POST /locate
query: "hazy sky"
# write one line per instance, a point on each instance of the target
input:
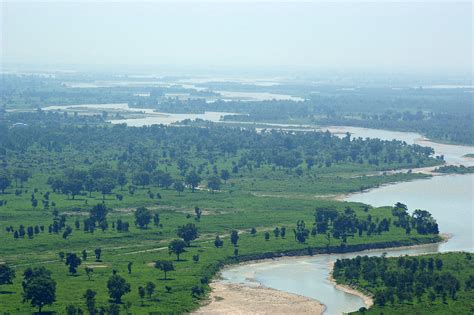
(372, 36)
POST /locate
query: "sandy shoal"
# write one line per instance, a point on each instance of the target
(237, 299)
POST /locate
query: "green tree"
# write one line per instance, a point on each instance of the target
(179, 187)
(142, 217)
(214, 183)
(193, 180)
(73, 261)
(22, 175)
(141, 293)
(234, 237)
(7, 274)
(150, 289)
(117, 287)
(188, 232)
(177, 247)
(165, 266)
(38, 287)
(5, 181)
(98, 213)
(89, 296)
(225, 175)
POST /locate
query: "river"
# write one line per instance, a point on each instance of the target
(447, 197)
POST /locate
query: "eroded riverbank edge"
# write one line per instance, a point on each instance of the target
(225, 297)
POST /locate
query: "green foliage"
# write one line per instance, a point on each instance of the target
(434, 284)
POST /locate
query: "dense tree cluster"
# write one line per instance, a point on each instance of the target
(402, 279)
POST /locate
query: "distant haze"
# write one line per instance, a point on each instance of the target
(416, 37)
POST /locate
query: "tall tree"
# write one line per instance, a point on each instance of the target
(188, 232)
(142, 217)
(117, 287)
(177, 247)
(38, 287)
(164, 266)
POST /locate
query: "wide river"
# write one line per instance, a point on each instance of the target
(449, 198)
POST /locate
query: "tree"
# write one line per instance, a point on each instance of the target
(141, 179)
(121, 180)
(193, 180)
(225, 175)
(214, 183)
(188, 232)
(196, 258)
(198, 213)
(150, 289)
(141, 293)
(89, 296)
(234, 237)
(117, 287)
(98, 253)
(253, 231)
(267, 236)
(142, 217)
(38, 287)
(7, 274)
(84, 255)
(22, 175)
(89, 272)
(5, 181)
(129, 267)
(218, 242)
(179, 187)
(164, 266)
(73, 261)
(105, 186)
(177, 247)
(98, 213)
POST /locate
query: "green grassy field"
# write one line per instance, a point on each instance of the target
(264, 193)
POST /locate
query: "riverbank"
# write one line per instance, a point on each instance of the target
(241, 298)
(368, 299)
(227, 298)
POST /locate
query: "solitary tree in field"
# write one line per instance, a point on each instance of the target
(218, 242)
(164, 266)
(234, 237)
(98, 253)
(89, 272)
(38, 287)
(73, 261)
(177, 247)
(117, 287)
(253, 231)
(129, 267)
